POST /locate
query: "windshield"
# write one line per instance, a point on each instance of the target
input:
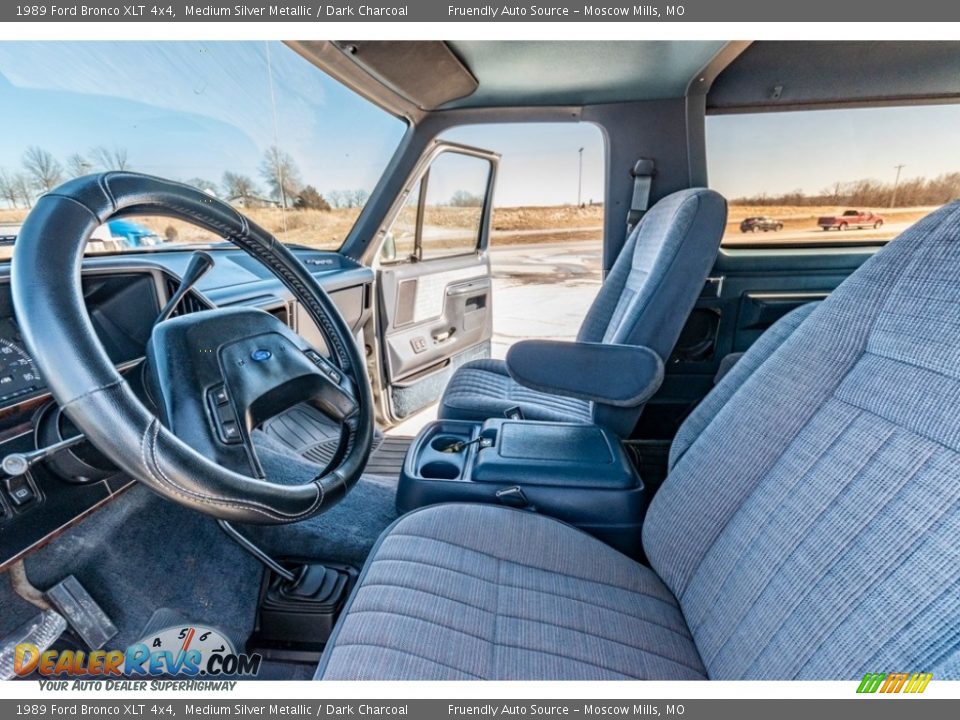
(251, 123)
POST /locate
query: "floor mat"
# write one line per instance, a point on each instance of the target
(306, 431)
(310, 434)
(141, 552)
(388, 458)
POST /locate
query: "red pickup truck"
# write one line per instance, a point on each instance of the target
(850, 219)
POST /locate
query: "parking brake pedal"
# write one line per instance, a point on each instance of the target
(82, 612)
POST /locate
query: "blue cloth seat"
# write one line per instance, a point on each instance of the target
(645, 300)
(809, 527)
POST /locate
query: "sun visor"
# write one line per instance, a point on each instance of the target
(425, 73)
(775, 75)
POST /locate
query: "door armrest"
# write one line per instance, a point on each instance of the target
(618, 375)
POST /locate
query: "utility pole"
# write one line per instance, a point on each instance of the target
(893, 197)
(580, 178)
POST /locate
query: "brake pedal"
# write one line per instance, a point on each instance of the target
(82, 612)
(42, 631)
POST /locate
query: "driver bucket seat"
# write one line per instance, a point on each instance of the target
(645, 300)
(810, 529)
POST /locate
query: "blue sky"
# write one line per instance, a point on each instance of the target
(194, 109)
(812, 150)
(190, 109)
(187, 110)
(540, 162)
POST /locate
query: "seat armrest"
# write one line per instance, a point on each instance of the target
(618, 375)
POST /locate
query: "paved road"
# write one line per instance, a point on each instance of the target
(888, 231)
(543, 290)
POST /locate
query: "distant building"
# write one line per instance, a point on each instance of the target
(253, 201)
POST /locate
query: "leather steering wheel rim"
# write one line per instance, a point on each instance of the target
(49, 305)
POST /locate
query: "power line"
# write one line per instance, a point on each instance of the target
(893, 196)
(580, 178)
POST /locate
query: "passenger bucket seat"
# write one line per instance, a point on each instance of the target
(809, 529)
(644, 301)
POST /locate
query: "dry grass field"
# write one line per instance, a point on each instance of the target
(799, 218)
(511, 225)
(321, 229)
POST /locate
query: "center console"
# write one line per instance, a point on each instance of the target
(575, 472)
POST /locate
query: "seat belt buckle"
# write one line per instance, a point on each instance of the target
(513, 413)
(514, 497)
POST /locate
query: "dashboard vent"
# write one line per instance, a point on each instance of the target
(282, 313)
(190, 304)
(277, 307)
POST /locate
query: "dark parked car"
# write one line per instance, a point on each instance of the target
(756, 224)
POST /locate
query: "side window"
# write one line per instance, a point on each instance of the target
(453, 205)
(832, 177)
(443, 214)
(401, 242)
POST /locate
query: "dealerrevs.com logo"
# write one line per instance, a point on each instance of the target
(191, 651)
(897, 682)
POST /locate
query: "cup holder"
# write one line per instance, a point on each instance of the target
(442, 442)
(440, 470)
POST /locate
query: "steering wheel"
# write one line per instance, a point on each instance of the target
(215, 374)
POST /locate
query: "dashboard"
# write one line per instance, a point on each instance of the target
(124, 294)
(19, 374)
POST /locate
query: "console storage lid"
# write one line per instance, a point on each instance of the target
(557, 454)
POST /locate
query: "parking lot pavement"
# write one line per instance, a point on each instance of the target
(540, 291)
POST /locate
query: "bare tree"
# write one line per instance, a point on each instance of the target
(866, 193)
(281, 174)
(349, 198)
(8, 188)
(21, 184)
(44, 170)
(115, 158)
(78, 166)
(336, 199)
(463, 198)
(359, 197)
(240, 186)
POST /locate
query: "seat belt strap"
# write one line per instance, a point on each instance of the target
(642, 172)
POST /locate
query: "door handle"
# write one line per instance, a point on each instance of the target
(442, 336)
(468, 288)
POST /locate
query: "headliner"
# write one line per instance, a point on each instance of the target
(414, 78)
(579, 73)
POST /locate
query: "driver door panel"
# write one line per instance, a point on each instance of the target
(434, 319)
(434, 286)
